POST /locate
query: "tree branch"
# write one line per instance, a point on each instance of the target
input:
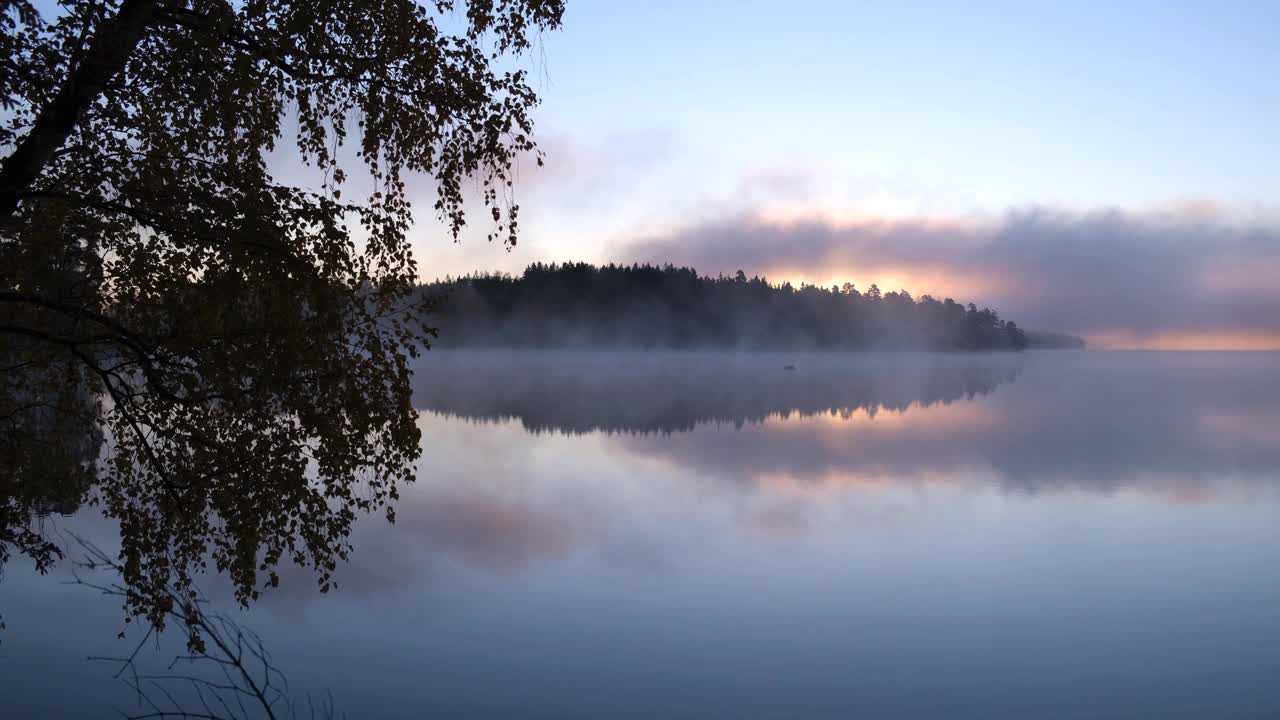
(106, 57)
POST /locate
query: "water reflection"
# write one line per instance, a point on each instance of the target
(696, 535)
(629, 456)
(1171, 423)
(666, 393)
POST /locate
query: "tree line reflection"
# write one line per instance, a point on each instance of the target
(532, 459)
(664, 393)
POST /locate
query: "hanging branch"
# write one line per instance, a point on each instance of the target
(227, 672)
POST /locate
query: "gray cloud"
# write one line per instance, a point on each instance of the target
(1100, 273)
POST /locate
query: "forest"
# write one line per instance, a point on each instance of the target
(649, 306)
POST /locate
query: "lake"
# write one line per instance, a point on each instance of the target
(594, 535)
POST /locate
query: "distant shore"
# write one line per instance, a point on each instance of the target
(580, 305)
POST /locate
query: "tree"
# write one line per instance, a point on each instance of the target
(242, 338)
(648, 306)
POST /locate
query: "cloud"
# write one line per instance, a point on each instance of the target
(1128, 276)
(583, 189)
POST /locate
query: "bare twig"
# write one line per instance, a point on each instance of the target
(245, 682)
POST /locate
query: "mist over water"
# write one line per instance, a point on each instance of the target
(665, 392)
(638, 535)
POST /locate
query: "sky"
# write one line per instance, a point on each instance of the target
(1107, 169)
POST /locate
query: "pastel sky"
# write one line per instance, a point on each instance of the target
(1105, 168)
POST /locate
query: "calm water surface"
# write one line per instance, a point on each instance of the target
(1050, 535)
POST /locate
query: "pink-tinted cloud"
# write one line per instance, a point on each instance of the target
(1133, 278)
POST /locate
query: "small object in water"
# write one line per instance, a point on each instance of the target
(789, 367)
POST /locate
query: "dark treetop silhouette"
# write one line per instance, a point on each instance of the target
(242, 360)
(578, 304)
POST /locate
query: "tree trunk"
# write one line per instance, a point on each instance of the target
(108, 52)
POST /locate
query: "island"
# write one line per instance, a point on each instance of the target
(581, 305)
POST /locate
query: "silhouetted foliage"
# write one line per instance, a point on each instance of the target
(578, 304)
(50, 443)
(1054, 341)
(244, 358)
